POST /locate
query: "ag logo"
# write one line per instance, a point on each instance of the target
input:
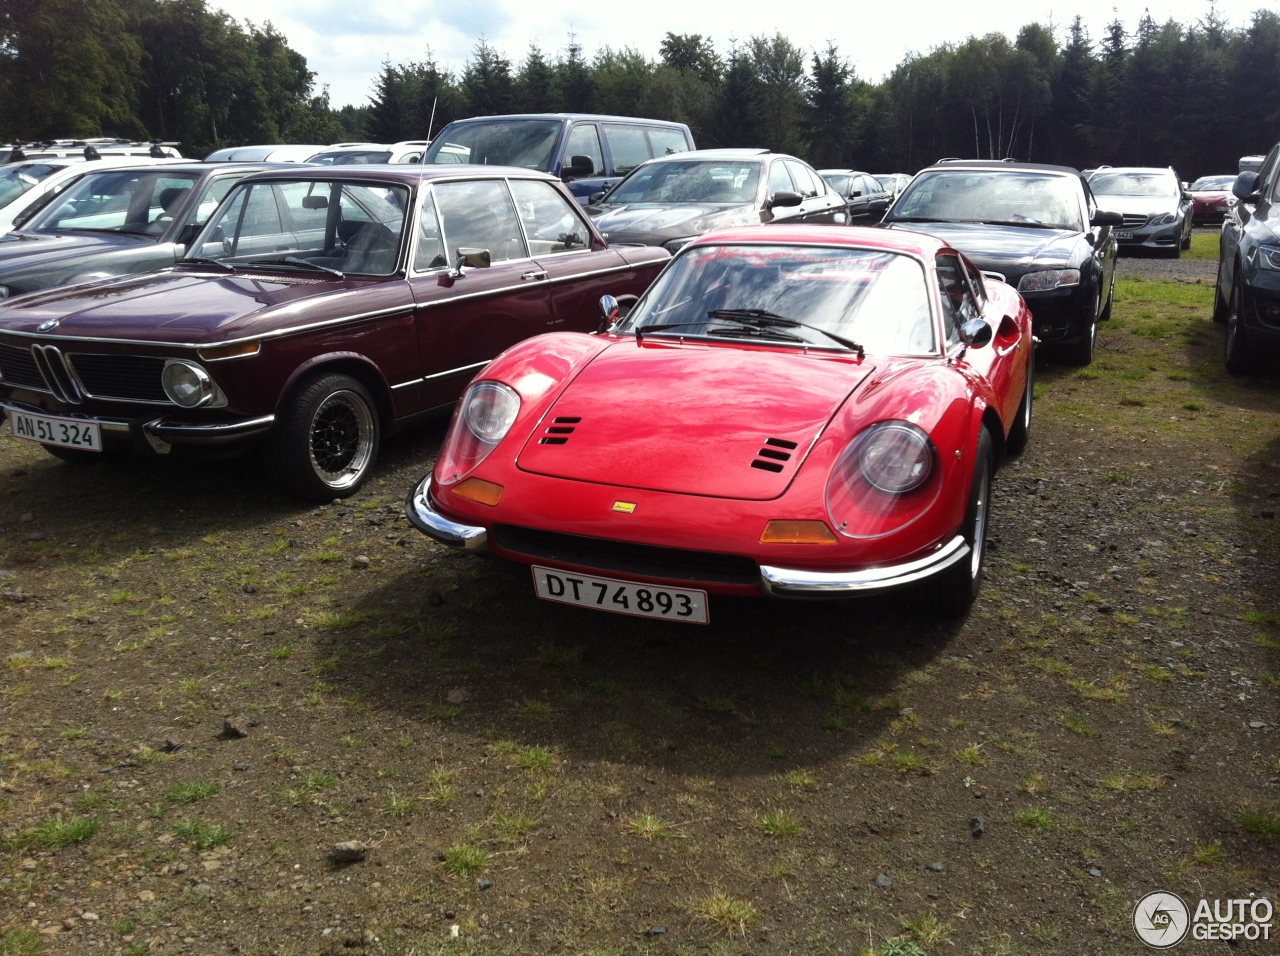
(1161, 920)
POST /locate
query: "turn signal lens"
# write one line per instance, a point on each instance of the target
(230, 351)
(797, 532)
(477, 489)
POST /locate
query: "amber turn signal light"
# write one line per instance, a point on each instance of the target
(797, 532)
(477, 489)
(230, 351)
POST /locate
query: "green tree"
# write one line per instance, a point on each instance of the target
(487, 84)
(779, 65)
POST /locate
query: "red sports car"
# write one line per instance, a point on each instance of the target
(1209, 198)
(802, 411)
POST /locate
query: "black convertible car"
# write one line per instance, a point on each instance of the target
(1037, 226)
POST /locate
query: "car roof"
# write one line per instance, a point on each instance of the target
(843, 172)
(711, 155)
(195, 167)
(998, 164)
(598, 117)
(407, 173)
(862, 237)
(1136, 169)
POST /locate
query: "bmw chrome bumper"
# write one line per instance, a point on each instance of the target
(422, 513)
(781, 582)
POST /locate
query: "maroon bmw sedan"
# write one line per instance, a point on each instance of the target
(318, 310)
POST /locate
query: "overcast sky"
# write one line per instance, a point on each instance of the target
(345, 42)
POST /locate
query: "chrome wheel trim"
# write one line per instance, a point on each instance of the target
(978, 546)
(340, 439)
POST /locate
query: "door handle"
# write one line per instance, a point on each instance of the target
(533, 275)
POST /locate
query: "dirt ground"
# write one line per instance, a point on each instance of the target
(206, 687)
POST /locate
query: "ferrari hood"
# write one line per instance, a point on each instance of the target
(656, 223)
(1009, 250)
(722, 421)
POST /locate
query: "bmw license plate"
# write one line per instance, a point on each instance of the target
(51, 430)
(621, 597)
(1124, 234)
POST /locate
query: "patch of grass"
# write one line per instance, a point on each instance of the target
(800, 778)
(201, 836)
(539, 711)
(280, 652)
(971, 755)
(73, 733)
(1260, 824)
(1076, 724)
(731, 914)
(399, 807)
(649, 827)
(1034, 818)
(927, 929)
(560, 657)
(1209, 854)
(341, 621)
(908, 762)
(779, 823)
(57, 833)
(834, 723)
(1034, 783)
(20, 942)
(1155, 673)
(191, 792)
(717, 705)
(465, 860)
(514, 826)
(1113, 692)
(1127, 782)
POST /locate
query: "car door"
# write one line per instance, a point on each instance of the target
(561, 247)
(780, 181)
(877, 198)
(466, 315)
(820, 203)
(1102, 242)
(584, 140)
(964, 298)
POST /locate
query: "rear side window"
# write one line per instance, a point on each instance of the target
(957, 302)
(480, 215)
(664, 141)
(779, 180)
(430, 254)
(804, 181)
(628, 147)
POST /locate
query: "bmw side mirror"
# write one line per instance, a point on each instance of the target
(1245, 188)
(472, 257)
(785, 197)
(1104, 218)
(976, 333)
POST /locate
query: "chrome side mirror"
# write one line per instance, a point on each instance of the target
(470, 256)
(976, 333)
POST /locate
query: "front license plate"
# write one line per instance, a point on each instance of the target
(621, 597)
(1124, 234)
(50, 430)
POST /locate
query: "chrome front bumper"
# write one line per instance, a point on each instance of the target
(422, 513)
(781, 582)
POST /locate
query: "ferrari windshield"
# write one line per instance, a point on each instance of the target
(690, 181)
(317, 225)
(791, 295)
(527, 143)
(997, 196)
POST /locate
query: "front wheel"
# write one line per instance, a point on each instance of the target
(1236, 354)
(326, 440)
(957, 587)
(1111, 297)
(1020, 433)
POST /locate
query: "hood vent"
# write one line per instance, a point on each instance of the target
(559, 430)
(774, 454)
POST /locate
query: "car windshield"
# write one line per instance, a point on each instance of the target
(527, 143)
(308, 224)
(351, 157)
(1213, 183)
(1158, 182)
(877, 299)
(1013, 197)
(127, 201)
(681, 181)
(891, 181)
(20, 177)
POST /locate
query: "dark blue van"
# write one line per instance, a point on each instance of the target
(589, 152)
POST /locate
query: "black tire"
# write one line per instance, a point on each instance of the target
(1175, 252)
(1020, 432)
(1186, 243)
(1081, 353)
(1236, 354)
(1111, 297)
(1221, 307)
(326, 440)
(958, 586)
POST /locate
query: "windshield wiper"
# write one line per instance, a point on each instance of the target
(773, 334)
(917, 219)
(765, 317)
(643, 330)
(206, 261)
(303, 263)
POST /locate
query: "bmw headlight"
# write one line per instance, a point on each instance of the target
(1047, 279)
(4, 292)
(1269, 257)
(187, 384)
(1165, 220)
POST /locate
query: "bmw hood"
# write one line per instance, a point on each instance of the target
(21, 249)
(655, 223)
(703, 415)
(1010, 250)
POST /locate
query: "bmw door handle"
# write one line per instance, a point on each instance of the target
(534, 275)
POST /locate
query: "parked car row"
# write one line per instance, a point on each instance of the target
(1247, 293)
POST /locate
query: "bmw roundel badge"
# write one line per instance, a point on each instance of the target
(47, 325)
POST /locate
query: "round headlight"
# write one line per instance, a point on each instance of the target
(187, 384)
(4, 292)
(489, 410)
(894, 457)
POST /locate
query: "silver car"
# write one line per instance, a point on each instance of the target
(1155, 206)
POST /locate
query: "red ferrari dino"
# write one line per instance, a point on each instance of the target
(801, 412)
